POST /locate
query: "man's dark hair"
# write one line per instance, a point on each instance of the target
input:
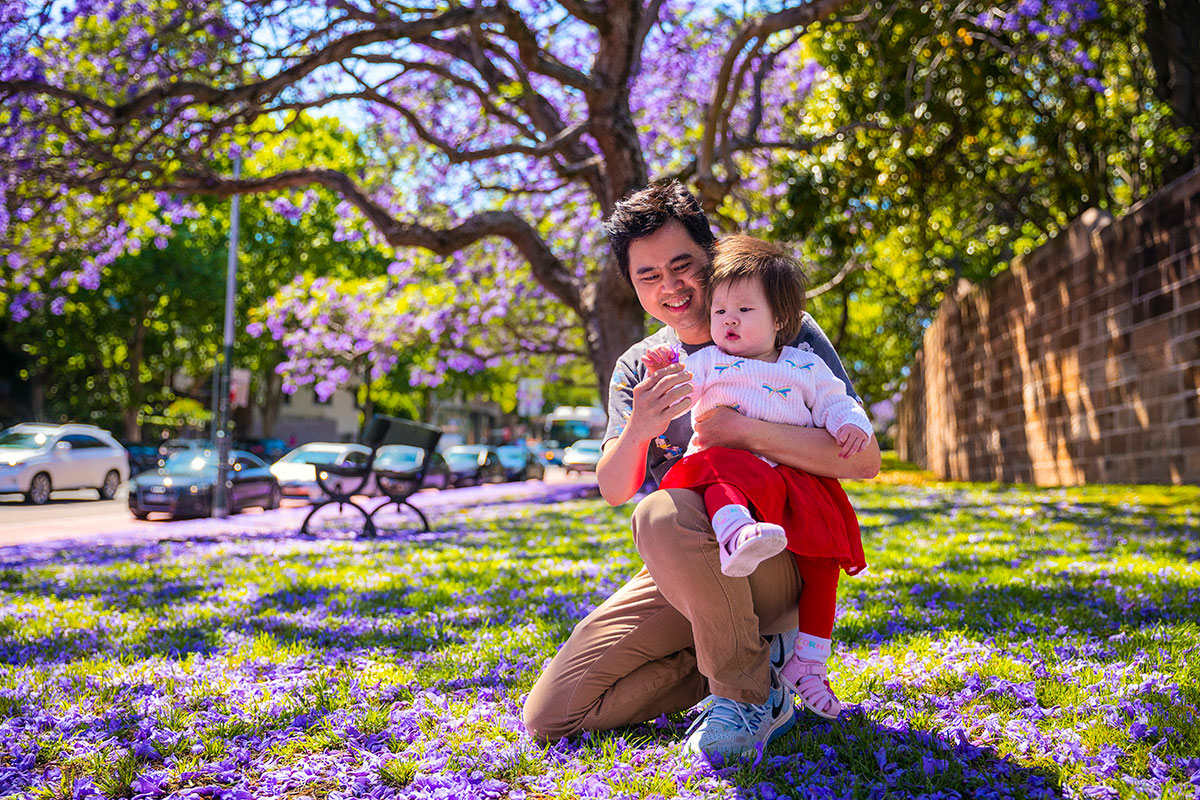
(645, 211)
(740, 258)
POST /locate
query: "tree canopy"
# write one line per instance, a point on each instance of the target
(495, 135)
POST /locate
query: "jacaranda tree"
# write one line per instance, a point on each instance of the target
(500, 132)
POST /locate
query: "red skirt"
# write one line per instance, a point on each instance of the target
(813, 511)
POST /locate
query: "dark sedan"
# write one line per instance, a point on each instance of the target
(403, 458)
(473, 465)
(520, 463)
(184, 485)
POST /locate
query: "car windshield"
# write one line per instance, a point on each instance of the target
(188, 462)
(511, 454)
(400, 457)
(586, 447)
(312, 457)
(24, 440)
(463, 456)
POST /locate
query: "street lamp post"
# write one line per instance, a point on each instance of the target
(220, 495)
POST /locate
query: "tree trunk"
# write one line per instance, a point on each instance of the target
(272, 398)
(1173, 39)
(615, 321)
(428, 403)
(37, 393)
(368, 401)
(136, 389)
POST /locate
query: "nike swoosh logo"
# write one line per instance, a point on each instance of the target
(777, 706)
(778, 661)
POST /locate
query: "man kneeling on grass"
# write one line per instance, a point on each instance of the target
(681, 630)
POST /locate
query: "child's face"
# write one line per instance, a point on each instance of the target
(742, 321)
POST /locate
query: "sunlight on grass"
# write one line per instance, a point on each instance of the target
(1005, 641)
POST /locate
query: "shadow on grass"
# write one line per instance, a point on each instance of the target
(920, 604)
(853, 756)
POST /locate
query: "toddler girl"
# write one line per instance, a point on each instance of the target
(759, 508)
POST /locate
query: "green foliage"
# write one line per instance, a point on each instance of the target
(955, 150)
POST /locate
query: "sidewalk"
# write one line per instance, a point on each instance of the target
(436, 505)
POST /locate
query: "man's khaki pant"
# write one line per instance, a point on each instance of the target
(677, 631)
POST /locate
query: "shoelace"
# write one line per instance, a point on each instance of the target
(731, 712)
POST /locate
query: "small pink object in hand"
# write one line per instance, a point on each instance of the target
(659, 357)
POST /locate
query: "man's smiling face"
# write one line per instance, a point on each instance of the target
(667, 268)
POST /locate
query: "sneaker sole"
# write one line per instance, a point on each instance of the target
(753, 553)
(785, 725)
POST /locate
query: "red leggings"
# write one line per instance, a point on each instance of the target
(818, 598)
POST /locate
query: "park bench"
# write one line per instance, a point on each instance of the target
(396, 485)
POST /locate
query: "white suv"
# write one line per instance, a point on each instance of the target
(37, 459)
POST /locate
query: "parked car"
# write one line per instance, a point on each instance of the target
(172, 446)
(37, 459)
(405, 458)
(552, 452)
(473, 465)
(142, 456)
(297, 471)
(520, 463)
(582, 456)
(449, 440)
(184, 486)
(268, 450)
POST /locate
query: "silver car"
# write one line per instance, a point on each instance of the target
(297, 471)
(37, 459)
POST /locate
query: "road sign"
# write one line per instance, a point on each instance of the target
(239, 387)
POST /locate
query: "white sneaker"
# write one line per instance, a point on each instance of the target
(731, 729)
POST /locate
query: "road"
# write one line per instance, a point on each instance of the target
(67, 514)
(80, 513)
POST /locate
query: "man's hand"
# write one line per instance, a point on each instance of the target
(721, 427)
(662, 396)
(851, 439)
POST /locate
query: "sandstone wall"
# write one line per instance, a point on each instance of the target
(1079, 364)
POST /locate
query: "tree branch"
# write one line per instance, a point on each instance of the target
(545, 265)
(388, 31)
(537, 59)
(846, 271)
(725, 93)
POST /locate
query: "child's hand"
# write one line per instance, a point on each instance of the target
(659, 357)
(852, 439)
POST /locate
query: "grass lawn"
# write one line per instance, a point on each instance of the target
(1006, 642)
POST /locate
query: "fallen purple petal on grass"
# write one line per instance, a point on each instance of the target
(1004, 643)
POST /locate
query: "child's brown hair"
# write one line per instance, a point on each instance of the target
(738, 258)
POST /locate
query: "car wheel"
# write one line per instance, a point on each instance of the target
(39, 489)
(112, 482)
(140, 514)
(273, 500)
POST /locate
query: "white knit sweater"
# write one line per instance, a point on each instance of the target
(798, 389)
